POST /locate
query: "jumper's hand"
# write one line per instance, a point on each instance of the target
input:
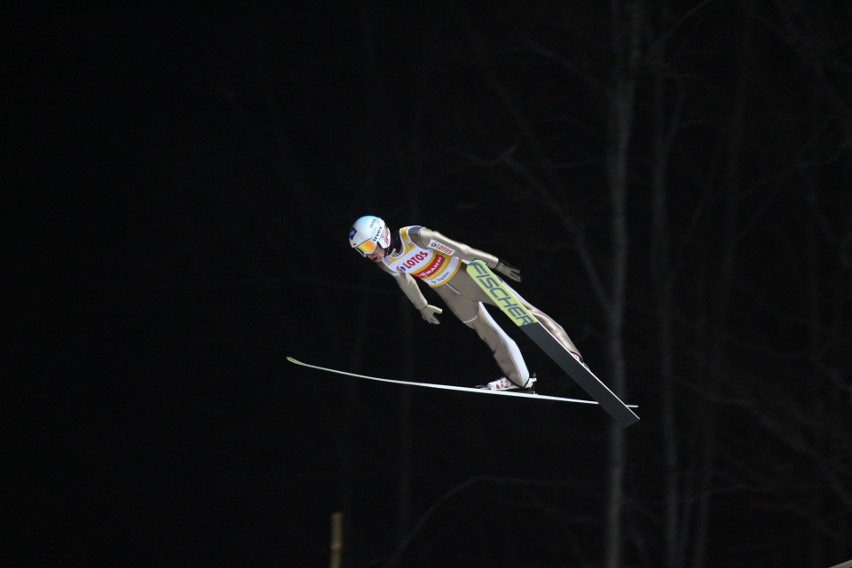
(508, 270)
(429, 312)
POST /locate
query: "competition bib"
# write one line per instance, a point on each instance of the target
(429, 265)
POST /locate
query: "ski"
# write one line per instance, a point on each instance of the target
(526, 395)
(506, 299)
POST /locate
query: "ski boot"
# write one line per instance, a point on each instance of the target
(505, 384)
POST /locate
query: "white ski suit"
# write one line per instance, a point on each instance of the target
(427, 255)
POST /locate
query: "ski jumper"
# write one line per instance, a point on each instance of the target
(438, 261)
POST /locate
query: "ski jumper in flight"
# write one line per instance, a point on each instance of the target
(416, 253)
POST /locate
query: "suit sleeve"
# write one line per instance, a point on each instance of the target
(409, 287)
(429, 239)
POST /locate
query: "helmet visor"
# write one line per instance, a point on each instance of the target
(366, 247)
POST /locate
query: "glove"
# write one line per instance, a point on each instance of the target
(429, 312)
(508, 270)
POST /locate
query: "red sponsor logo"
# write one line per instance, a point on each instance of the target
(429, 270)
(412, 262)
(441, 248)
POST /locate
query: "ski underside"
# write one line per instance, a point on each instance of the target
(526, 395)
(507, 300)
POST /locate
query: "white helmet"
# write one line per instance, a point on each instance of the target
(367, 232)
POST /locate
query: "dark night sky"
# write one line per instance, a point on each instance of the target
(183, 180)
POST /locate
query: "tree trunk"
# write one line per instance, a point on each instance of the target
(626, 23)
(716, 342)
(660, 265)
(665, 117)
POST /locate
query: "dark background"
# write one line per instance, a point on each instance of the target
(180, 186)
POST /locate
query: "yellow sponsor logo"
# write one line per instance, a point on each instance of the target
(500, 293)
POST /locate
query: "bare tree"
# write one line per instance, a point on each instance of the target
(626, 26)
(666, 116)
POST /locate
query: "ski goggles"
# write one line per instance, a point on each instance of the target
(366, 247)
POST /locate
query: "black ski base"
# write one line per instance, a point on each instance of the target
(581, 375)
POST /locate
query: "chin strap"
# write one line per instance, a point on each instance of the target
(395, 243)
